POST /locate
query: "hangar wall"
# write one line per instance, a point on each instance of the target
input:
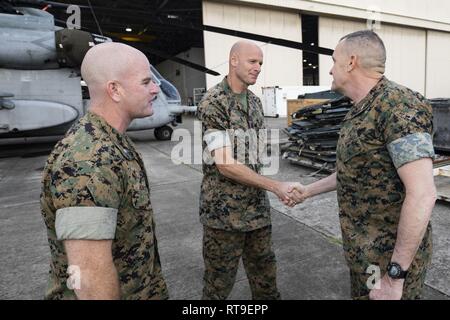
(431, 15)
(438, 65)
(185, 79)
(282, 66)
(406, 50)
(433, 11)
(416, 34)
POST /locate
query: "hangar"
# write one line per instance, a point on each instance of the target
(173, 34)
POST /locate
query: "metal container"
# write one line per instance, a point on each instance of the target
(441, 115)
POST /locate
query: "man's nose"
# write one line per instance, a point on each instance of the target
(154, 88)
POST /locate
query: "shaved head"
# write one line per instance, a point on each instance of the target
(243, 46)
(246, 59)
(108, 62)
(368, 47)
(121, 84)
(359, 62)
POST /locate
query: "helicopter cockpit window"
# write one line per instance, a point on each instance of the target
(166, 87)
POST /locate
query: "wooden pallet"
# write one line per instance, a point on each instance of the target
(297, 104)
(442, 182)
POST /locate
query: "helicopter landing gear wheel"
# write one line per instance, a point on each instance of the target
(163, 133)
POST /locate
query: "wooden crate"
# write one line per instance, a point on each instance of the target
(297, 104)
(442, 182)
(442, 187)
(442, 171)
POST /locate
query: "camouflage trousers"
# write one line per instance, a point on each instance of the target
(412, 289)
(414, 281)
(222, 251)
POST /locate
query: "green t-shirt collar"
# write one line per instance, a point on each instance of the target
(241, 97)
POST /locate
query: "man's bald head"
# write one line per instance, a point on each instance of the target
(368, 47)
(246, 59)
(243, 46)
(108, 62)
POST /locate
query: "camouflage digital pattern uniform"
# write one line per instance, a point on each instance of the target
(96, 166)
(236, 217)
(391, 126)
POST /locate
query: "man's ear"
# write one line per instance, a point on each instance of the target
(113, 89)
(234, 60)
(352, 63)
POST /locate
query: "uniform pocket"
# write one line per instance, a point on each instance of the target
(349, 148)
(141, 198)
(140, 195)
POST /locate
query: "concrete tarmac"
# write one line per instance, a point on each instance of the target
(306, 239)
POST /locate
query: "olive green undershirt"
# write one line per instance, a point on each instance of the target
(241, 97)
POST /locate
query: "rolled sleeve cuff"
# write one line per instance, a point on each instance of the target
(86, 223)
(217, 140)
(411, 148)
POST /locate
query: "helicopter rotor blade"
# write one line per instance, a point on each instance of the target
(271, 40)
(157, 53)
(181, 61)
(241, 34)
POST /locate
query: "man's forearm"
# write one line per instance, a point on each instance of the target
(414, 219)
(100, 283)
(241, 174)
(322, 186)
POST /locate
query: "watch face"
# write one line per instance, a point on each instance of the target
(394, 271)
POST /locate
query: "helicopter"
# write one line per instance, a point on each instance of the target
(41, 90)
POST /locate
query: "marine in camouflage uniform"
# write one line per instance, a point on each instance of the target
(390, 127)
(95, 166)
(236, 217)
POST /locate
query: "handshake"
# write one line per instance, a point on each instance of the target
(291, 193)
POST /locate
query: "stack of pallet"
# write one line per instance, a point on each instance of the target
(314, 133)
(441, 112)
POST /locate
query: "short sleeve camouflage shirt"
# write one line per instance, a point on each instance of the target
(96, 166)
(390, 127)
(225, 204)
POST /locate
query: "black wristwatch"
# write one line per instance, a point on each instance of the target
(395, 271)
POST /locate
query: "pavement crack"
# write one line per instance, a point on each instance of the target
(325, 235)
(175, 183)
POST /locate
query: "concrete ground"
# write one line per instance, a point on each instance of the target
(306, 238)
